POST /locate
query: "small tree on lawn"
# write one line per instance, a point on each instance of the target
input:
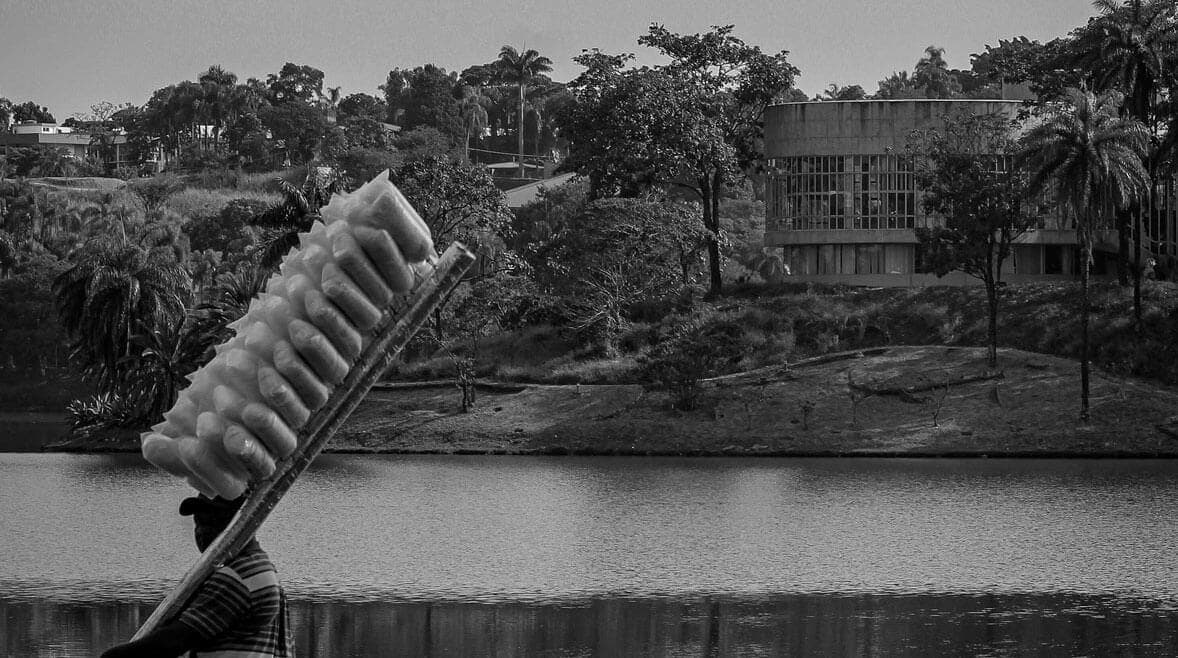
(966, 170)
(457, 201)
(617, 252)
(1093, 158)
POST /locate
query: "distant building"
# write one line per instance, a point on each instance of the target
(76, 144)
(842, 202)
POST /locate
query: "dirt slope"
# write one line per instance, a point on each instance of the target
(897, 401)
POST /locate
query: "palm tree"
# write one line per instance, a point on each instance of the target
(1127, 48)
(932, 74)
(1131, 47)
(295, 214)
(159, 360)
(474, 116)
(1092, 158)
(115, 289)
(521, 69)
(218, 101)
(330, 103)
(8, 259)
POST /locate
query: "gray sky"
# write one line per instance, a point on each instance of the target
(69, 54)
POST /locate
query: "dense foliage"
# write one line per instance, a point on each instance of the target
(601, 277)
(695, 123)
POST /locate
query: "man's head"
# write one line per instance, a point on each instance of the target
(209, 516)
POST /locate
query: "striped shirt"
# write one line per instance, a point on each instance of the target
(240, 611)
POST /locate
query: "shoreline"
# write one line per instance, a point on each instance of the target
(734, 454)
(893, 402)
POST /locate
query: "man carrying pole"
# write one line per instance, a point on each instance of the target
(239, 612)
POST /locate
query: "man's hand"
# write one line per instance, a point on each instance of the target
(169, 640)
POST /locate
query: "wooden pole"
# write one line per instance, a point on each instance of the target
(391, 336)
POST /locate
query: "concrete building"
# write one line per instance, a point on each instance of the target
(842, 202)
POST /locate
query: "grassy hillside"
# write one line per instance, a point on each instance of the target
(790, 322)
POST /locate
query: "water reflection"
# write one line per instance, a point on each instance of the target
(27, 431)
(794, 625)
(596, 556)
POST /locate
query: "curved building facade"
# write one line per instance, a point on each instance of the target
(842, 202)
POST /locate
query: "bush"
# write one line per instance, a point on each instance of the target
(101, 411)
(360, 165)
(693, 352)
(229, 230)
(620, 370)
(125, 173)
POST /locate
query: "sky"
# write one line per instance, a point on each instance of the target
(69, 54)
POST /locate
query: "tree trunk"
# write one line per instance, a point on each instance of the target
(992, 328)
(1123, 231)
(521, 130)
(991, 280)
(1138, 235)
(712, 224)
(1085, 257)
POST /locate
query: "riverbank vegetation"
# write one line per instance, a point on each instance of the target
(648, 269)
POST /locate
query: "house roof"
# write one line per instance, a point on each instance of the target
(525, 194)
(512, 165)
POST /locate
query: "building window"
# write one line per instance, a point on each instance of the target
(841, 192)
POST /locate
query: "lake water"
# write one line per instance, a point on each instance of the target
(571, 556)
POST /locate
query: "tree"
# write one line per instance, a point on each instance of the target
(1092, 159)
(898, 85)
(933, 76)
(359, 165)
(28, 321)
(1043, 67)
(966, 172)
(1131, 47)
(219, 103)
(101, 113)
(367, 106)
(536, 224)
(300, 127)
(38, 161)
(615, 253)
(695, 123)
(457, 201)
(836, 93)
(474, 118)
(246, 137)
(422, 142)
(159, 360)
(521, 69)
(426, 96)
(115, 289)
(294, 214)
(295, 83)
(30, 111)
(227, 231)
(1128, 48)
